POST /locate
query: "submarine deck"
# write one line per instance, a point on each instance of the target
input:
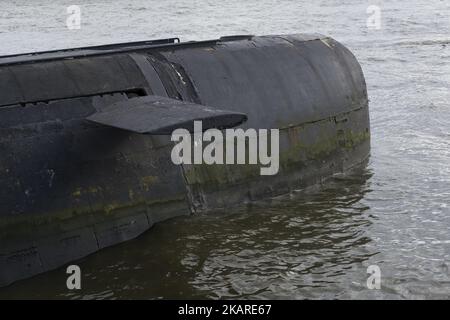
(79, 52)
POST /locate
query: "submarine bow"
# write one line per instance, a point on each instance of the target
(85, 146)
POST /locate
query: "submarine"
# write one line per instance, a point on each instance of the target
(85, 145)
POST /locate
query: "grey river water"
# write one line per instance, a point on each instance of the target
(317, 244)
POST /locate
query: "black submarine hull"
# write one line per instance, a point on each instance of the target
(69, 186)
